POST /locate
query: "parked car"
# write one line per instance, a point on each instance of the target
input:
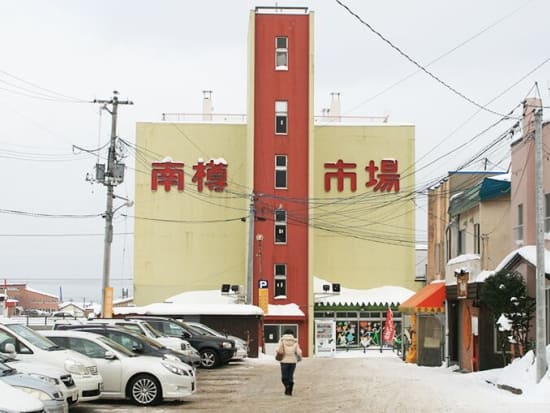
(16, 401)
(33, 347)
(63, 315)
(134, 342)
(144, 328)
(47, 393)
(214, 351)
(51, 374)
(145, 380)
(240, 344)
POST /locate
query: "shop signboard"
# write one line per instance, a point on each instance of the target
(325, 338)
(263, 295)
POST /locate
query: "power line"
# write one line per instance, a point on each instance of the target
(422, 68)
(468, 40)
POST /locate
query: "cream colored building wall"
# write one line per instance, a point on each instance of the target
(496, 235)
(189, 240)
(370, 236)
(467, 220)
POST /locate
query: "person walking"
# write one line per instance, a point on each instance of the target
(292, 353)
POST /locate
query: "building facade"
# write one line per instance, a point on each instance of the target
(267, 203)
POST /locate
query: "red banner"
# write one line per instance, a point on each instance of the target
(389, 327)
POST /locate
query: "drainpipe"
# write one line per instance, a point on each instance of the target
(446, 344)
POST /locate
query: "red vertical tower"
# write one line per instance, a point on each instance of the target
(281, 165)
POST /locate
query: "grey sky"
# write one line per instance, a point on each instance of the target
(163, 54)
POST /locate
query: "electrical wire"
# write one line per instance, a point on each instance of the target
(418, 65)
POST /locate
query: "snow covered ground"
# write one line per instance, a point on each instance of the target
(459, 392)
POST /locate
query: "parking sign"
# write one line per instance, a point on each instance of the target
(262, 284)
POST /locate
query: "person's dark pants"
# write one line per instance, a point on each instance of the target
(287, 376)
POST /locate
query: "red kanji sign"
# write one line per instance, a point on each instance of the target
(212, 174)
(383, 178)
(168, 174)
(340, 174)
(215, 173)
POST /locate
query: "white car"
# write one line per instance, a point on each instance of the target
(16, 401)
(53, 375)
(144, 328)
(145, 380)
(240, 344)
(33, 347)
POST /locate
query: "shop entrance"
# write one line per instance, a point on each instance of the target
(273, 333)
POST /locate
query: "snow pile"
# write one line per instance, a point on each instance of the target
(521, 374)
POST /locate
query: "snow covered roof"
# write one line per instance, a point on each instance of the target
(379, 295)
(529, 254)
(285, 310)
(463, 258)
(190, 309)
(32, 290)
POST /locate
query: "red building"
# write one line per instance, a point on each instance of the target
(282, 71)
(29, 299)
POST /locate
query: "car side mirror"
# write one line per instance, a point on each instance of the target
(9, 348)
(137, 349)
(109, 356)
(185, 334)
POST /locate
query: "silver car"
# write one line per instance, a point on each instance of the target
(48, 394)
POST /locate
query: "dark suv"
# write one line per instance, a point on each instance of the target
(215, 351)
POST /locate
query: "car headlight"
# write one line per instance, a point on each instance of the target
(176, 369)
(51, 380)
(75, 367)
(171, 357)
(227, 345)
(38, 394)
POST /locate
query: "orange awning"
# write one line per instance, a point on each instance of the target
(429, 299)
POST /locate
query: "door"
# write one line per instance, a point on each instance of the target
(110, 370)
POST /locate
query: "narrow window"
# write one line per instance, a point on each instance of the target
(281, 117)
(547, 213)
(281, 53)
(519, 228)
(280, 172)
(461, 246)
(280, 280)
(280, 226)
(477, 239)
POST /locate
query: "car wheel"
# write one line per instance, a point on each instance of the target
(209, 358)
(145, 390)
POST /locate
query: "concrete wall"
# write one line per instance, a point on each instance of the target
(189, 240)
(366, 238)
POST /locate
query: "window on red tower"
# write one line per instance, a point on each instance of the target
(280, 280)
(281, 53)
(280, 226)
(281, 117)
(280, 171)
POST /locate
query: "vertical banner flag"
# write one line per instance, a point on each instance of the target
(389, 327)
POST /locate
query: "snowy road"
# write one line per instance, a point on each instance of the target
(352, 382)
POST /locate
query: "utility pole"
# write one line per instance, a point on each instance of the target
(541, 362)
(250, 271)
(110, 177)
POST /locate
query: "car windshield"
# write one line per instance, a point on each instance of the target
(115, 346)
(154, 333)
(206, 330)
(6, 370)
(195, 331)
(34, 338)
(152, 342)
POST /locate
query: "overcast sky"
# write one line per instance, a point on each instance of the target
(162, 54)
